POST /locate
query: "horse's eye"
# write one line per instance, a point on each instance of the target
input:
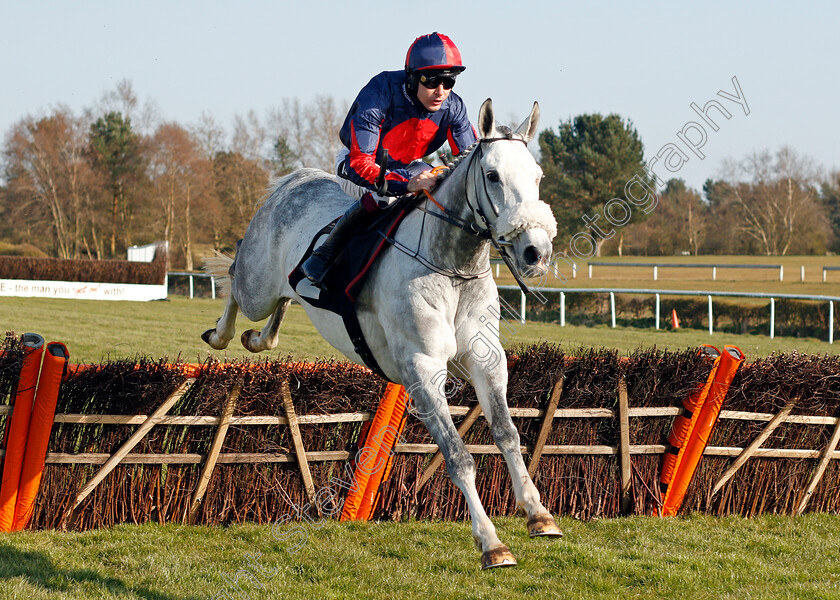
(493, 176)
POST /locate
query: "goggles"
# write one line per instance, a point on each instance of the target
(432, 81)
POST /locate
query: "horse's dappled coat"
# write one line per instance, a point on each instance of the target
(419, 322)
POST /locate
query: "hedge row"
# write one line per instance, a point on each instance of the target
(94, 271)
(582, 486)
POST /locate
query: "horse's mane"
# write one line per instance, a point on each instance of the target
(502, 132)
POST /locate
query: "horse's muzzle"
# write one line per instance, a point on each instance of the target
(532, 256)
(532, 250)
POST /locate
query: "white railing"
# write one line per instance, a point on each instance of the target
(657, 293)
(825, 269)
(192, 275)
(713, 266)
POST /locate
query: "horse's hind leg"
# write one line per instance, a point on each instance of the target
(266, 339)
(220, 336)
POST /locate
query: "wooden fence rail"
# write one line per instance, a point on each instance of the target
(238, 445)
(304, 456)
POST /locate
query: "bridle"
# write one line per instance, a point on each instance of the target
(479, 227)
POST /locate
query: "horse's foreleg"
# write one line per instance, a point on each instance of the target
(220, 336)
(491, 388)
(430, 406)
(266, 339)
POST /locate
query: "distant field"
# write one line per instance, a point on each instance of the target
(97, 331)
(102, 330)
(741, 280)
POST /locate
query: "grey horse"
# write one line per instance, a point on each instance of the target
(428, 307)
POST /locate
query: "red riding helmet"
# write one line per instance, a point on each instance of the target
(434, 51)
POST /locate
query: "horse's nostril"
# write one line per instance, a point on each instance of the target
(532, 255)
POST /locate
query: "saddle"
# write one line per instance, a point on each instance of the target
(347, 274)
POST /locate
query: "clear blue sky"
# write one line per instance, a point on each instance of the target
(645, 61)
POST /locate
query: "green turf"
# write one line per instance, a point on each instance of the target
(695, 557)
(731, 280)
(100, 330)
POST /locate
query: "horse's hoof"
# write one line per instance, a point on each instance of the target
(543, 526)
(497, 557)
(208, 336)
(246, 338)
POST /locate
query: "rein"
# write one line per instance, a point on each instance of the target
(482, 230)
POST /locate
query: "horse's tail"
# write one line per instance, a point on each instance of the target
(218, 265)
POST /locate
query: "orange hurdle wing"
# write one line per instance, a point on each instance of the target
(40, 427)
(18, 429)
(684, 422)
(370, 459)
(691, 454)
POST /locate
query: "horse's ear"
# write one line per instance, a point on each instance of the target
(486, 120)
(528, 128)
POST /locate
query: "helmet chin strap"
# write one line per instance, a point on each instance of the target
(412, 80)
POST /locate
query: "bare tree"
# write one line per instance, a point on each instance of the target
(324, 119)
(250, 138)
(830, 194)
(46, 170)
(308, 133)
(679, 224)
(689, 214)
(287, 126)
(239, 185)
(209, 135)
(124, 100)
(181, 176)
(776, 197)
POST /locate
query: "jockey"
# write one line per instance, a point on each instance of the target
(410, 113)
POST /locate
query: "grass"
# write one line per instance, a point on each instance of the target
(102, 330)
(641, 557)
(731, 280)
(699, 557)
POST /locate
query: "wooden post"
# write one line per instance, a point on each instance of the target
(213, 454)
(824, 460)
(624, 445)
(136, 437)
(747, 452)
(300, 451)
(545, 427)
(437, 459)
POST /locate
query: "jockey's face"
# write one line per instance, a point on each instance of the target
(433, 98)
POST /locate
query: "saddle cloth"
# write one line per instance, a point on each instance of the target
(346, 276)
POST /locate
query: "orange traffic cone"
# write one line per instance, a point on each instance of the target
(675, 321)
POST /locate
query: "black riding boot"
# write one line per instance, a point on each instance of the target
(316, 265)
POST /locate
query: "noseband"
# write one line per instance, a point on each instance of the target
(480, 225)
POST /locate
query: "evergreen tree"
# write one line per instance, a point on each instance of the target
(284, 158)
(115, 152)
(586, 164)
